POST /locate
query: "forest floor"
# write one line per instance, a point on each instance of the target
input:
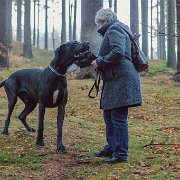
(153, 132)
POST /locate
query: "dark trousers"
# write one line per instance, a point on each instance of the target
(116, 121)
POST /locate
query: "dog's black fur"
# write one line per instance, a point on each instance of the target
(34, 86)
(86, 59)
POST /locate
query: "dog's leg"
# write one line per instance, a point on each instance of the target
(39, 139)
(60, 119)
(29, 107)
(12, 99)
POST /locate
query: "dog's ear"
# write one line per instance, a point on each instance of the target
(60, 49)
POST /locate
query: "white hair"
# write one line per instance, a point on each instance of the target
(105, 14)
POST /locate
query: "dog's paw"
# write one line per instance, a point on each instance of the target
(5, 133)
(39, 142)
(32, 130)
(61, 149)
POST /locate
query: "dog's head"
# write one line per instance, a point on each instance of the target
(70, 52)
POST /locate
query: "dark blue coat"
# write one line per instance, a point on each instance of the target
(122, 84)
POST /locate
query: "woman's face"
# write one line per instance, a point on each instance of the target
(102, 23)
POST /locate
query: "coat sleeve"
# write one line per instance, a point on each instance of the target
(117, 41)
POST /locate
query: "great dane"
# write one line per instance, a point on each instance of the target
(47, 87)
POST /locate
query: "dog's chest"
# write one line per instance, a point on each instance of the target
(55, 96)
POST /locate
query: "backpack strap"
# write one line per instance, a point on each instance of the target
(132, 37)
(128, 32)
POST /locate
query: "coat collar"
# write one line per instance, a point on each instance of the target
(103, 29)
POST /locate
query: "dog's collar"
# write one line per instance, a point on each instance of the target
(54, 71)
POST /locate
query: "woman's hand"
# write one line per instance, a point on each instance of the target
(94, 64)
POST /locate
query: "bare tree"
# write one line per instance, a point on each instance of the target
(63, 31)
(144, 11)
(19, 25)
(27, 47)
(171, 54)
(4, 61)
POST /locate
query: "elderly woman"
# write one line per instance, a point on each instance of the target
(121, 84)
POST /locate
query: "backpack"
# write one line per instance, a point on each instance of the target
(138, 58)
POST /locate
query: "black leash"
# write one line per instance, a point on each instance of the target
(95, 85)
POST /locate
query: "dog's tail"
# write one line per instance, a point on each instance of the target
(2, 83)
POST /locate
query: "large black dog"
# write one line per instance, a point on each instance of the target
(47, 87)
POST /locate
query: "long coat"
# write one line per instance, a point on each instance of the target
(121, 81)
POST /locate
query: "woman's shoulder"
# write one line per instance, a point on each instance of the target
(117, 27)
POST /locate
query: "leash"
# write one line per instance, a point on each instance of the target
(95, 85)
(54, 71)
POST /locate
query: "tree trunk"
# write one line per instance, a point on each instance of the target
(110, 3)
(70, 21)
(171, 57)
(89, 30)
(178, 32)
(46, 25)
(176, 77)
(34, 31)
(115, 6)
(144, 10)
(53, 38)
(158, 41)
(63, 31)
(38, 24)
(4, 61)
(27, 47)
(162, 43)
(88, 26)
(9, 22)
(19, 14)
(74, 24)
(151, 31)
(134, 17)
